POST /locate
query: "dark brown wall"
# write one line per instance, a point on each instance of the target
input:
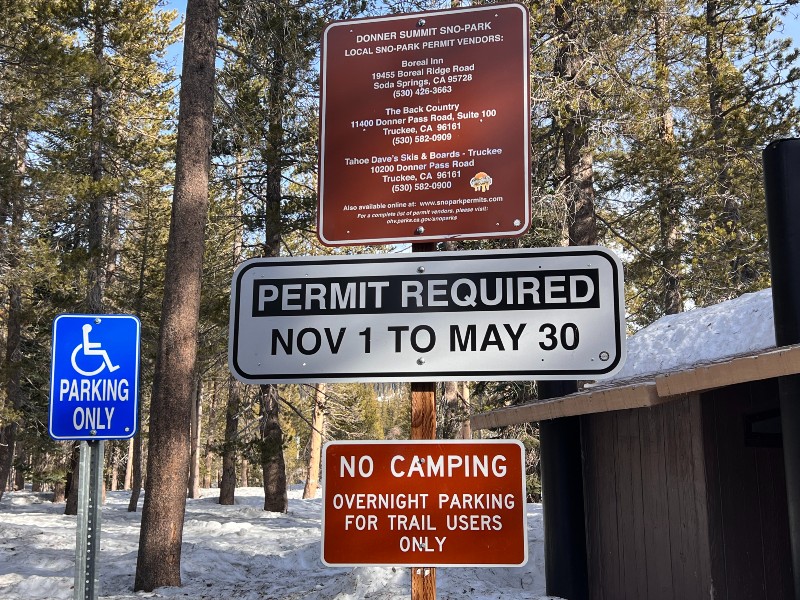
(749, 524)
(645, 504)
(682, 505)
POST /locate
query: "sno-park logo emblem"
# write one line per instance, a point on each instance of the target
(94, 377)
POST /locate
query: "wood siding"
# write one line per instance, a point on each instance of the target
(680, 507)
(749, 523)
(645, 494)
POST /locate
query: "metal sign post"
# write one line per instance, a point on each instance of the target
(87, 545)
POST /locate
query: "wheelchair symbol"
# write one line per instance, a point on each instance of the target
(91, 349)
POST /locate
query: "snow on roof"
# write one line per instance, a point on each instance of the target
(702, 335)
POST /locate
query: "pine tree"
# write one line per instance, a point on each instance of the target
(315, 451)
(158, 562)
(681, 178)
(275, 46)
(745, 84)
(100, 132)
(104, 131)
(644, 184)
(33, 55)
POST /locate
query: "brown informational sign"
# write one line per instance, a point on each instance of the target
(424, 127)
(432, 502)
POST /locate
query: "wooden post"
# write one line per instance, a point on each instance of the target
(423, 427)
(423, 410)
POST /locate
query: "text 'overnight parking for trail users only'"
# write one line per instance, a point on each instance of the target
(515, 314)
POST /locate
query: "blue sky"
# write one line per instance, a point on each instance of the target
(791, 29)
(791, 25)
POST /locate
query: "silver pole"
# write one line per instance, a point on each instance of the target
(87, 547)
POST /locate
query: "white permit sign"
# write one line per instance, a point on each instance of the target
(522, 314)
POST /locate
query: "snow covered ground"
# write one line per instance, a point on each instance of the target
(229, 552)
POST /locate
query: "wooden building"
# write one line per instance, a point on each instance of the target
(683, 474)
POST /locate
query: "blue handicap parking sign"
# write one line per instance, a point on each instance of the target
(94, 378)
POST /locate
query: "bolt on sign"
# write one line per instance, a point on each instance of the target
(435, 502)
(424, 127)
(519, 314)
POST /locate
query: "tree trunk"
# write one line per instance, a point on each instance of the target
(113, 242)
(273, 466)
(450, 421)
(227, 487)
(245, 472)
(272, 461)
(197, 415)
(129, 466)
(59, 493)
(668, 194)
(19, 470)
(13, 356)
(209, 454)
(208, 477)
(574, 123)
(466, 410)
(71, 507)
(579, 162)
(112, 465)
(7, 444)
(317, 430)
(136, 459)
(135, 451)
(159, 558)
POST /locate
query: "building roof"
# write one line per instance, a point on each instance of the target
(676, 342)
(697, 350)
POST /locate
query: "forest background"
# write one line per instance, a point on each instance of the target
(648, 122)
